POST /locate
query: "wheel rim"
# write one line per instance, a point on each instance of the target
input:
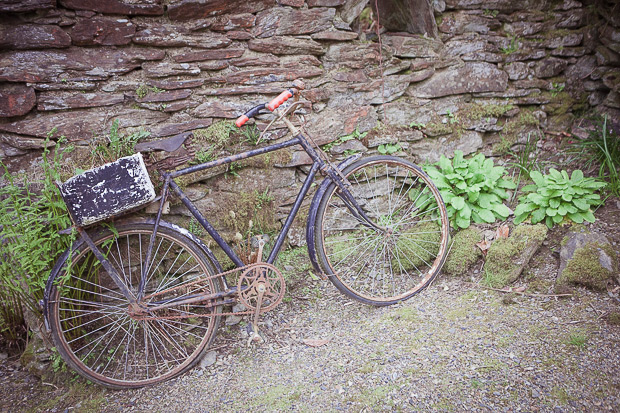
(399, 259)
(106, 340)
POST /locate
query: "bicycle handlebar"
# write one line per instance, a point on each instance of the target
(273, 105)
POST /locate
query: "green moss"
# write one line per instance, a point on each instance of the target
(438, 129)
(614, 318)
(513, 128)
(422, 241)
(463, 252)
(501, 263)
(477, 111)
(585, 269)
(218, 134)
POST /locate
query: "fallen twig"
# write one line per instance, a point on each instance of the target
(50, 384)
(524, 293)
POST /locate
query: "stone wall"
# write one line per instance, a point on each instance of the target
(498, 70)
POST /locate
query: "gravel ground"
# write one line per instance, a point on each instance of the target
(455, 347)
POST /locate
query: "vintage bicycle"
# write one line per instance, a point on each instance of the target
(136, 301)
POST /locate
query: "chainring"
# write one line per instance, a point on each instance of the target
(261, 276)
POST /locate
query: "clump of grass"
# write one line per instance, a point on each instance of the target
(602, 149)
(578, 339)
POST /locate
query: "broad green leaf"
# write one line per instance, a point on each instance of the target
(524, 208)
(576, 217)
(538, 215)
(538, 178)
(551, 212)
(458, 202)
(549, 222)
(558, 218)
(554, 203)
(486, 215)
(520, 218)
(567, 197)
(503, 183)
(461, 185)
(581, 204)
(461, 222)
(528, 188)
(502, 210)
(588, 216)
(465, 212)
(445, 164)
(576, 176)
(536, 198)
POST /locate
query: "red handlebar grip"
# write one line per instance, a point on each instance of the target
(241, 121)
(283, 97)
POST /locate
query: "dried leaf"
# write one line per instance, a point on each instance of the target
(484, 246)
(312, 342)
(502, 232)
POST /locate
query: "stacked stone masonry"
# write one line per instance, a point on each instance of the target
(497, 70)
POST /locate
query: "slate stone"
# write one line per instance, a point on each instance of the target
(470, 78)
(569, 52)
(23, 6)
(177, 128)
(292, 3)
(144, 8)
(132, 118)
(335, 35)
(175, 36)
(516, 70)
(212, 65)
(165, 96)
(282, 45)
(165, 69)
(466, 22)
(326, 3)
(208, 55)
(200, 9)
(568, 40)
(525, 54)
(550, 67)
(73, 64)
(257, 60)
(429, 150)
(607, 57)
(243, 90)
(500, 5)
(67, 100)
(352, 55)
(289, 21)
(234, 22)
(407, 46)
(16, 100)
(267, 75)
(176, 84)
(524, 28)
(220, 109)
(103, 31)
(33, 36)
(25, 142)
(76, 124)
(239, 35)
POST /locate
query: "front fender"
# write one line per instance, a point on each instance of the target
(79, 242)
(314, 206)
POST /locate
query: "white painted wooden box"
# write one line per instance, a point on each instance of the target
(108, 190)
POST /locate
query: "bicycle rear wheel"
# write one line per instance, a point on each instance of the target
(92, 325)
(402, 252)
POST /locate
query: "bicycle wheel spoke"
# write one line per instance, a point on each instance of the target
(383, 265)
(117, 343)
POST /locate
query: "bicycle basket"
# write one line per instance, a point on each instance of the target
(107, 190)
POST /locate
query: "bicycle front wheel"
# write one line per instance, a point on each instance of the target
(395, 244)
(106, 341)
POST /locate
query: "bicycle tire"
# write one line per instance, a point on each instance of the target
(89, 317)
(388, 265)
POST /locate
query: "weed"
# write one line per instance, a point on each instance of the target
(473, 189)
(512, 47)
(490, 13)
(557, 88)
(116, 145)
(31, 214)
(578, 339)
(389, 148)
(203, 156)
(232, 169)
(555, 196)
(602, 148)
(356, 134)
(251, 134)
(144, 90)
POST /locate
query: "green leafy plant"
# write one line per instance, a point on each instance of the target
(203, 156)
(117, 145)
(251, 134)
(555, 197)
(356, 134)
(389, 148)
(512, 47)
(31, 215)
(473, 189)
(557, 88)
(602, 149)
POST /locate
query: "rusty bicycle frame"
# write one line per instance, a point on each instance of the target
(331, 172)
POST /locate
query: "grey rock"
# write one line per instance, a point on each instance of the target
(470, 78)
(208, 359)
(550, 67)
(517, 70)
(430, 150)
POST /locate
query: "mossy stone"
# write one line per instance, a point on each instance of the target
(507, 257)
(589, 267)
(463, 252)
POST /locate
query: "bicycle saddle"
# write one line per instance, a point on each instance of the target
(167, 145)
